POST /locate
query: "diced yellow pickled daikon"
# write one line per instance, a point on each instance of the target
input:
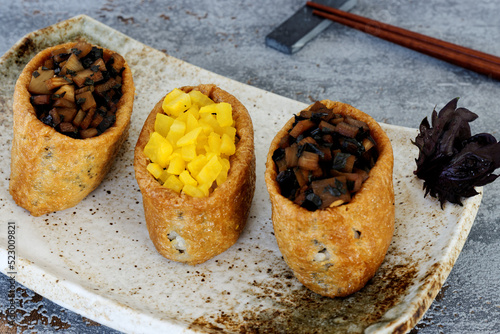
(225, 163)
(207, 128)
(186, 178)
(176, 102)
(212, 121)
(177, 165)
(202, 143)
(199, 98)
(188, 152)
(223, 173)
(214, 142)
(194, 110)
(189, 138)
(190, 143)
(158, 149)
(177, 130)
(210, 171)
(224, 114)
(164, 176)
(175, 93)
(191, 122)
(155, 169)
(227, 146)
(195, 165)
(222, 177)
(177, 152)
(192, 191)
(183, 117)
(209, 109)
(230, 131)
(163, 123)
(174, 183)
(210, 155)
(205, 188)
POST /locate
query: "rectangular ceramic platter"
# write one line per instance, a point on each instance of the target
(98, 260)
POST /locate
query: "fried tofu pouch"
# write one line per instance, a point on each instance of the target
(207, 226)
(49, 170)
(354, 236)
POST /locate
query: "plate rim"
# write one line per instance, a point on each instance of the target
(403, 323)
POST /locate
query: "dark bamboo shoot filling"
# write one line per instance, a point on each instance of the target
(324, 159)
(76, 90)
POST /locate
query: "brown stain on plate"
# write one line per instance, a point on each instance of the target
(25, 49)
(303, 311)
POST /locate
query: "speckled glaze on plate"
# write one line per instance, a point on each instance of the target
(97, 259)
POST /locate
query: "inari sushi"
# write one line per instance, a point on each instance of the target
(329, 176)
(72, 108)
(195, 166)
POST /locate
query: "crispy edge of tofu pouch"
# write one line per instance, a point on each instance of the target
(337, 250)
(49, 170)
(194, 230)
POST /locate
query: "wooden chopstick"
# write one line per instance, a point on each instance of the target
(458, 55)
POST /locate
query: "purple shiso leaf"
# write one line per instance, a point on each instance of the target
(451, 161)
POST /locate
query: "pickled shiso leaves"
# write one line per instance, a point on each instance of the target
(451, 161)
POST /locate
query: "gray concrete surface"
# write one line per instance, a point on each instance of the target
(393, 84)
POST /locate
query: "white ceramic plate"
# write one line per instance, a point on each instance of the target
(96, 259)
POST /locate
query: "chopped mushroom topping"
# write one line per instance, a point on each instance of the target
(76, 90)
(324, 159)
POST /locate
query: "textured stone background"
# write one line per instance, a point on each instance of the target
(393, 84)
